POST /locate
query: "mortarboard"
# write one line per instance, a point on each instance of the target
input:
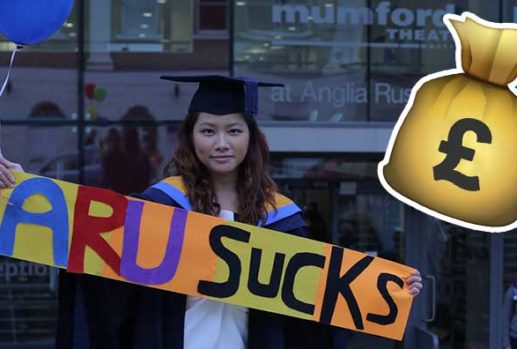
(221, 95)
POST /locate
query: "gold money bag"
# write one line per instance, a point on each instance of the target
(452, 153)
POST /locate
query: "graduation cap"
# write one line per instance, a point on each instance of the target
(221, 95)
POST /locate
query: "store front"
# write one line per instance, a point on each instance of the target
(348, 67)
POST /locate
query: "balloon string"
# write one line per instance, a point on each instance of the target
(16, 48)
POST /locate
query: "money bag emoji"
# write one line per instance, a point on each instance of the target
(451, 152)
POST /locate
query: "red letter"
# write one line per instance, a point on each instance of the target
(87, 229)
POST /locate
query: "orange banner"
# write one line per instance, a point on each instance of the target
(96, 231)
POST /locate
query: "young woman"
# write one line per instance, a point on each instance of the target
(220, 168)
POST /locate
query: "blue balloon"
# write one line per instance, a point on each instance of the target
(28, 22)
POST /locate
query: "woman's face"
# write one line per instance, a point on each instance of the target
(221, 142)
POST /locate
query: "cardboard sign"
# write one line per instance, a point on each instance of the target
(98, 232)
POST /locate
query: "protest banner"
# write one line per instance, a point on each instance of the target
(99, 232)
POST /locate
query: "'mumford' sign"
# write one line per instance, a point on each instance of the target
(383, 15)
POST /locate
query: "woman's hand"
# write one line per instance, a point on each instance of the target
(414, 283)
(6, 177)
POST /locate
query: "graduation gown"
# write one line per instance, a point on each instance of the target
(99, 313)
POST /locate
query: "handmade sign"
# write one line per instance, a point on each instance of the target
(96, 231)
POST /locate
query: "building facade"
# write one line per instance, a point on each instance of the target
(75, 102)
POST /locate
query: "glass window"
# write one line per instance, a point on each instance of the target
(28, 303)
(510, 11)
(459, 261)
(352, 60)
(140, 19)
(212, 16)
(47, 150)
(139, 26)
(509, 298)
(128, 158)
(28, 291)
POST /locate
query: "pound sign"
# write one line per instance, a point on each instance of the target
(455, 151)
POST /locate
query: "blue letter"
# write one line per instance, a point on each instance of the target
(56, 219)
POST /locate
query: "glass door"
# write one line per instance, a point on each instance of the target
(455, 262)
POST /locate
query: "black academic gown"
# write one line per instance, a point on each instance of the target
(100, 313)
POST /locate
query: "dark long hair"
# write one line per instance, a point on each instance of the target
(255, 187)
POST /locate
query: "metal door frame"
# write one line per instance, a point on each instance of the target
(414, 245)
